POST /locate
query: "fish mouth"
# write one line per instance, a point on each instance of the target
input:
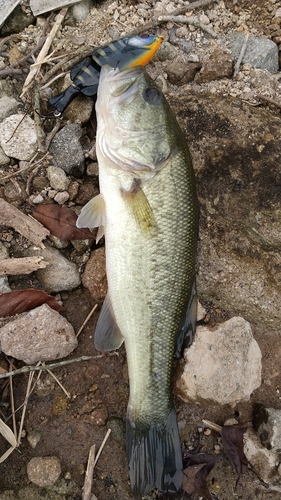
(124, 83)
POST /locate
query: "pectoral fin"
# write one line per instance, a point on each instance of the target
(140, 207)
(93, 215)
(186, 332)
(107, 335)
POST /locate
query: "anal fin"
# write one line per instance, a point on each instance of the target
(107, 334)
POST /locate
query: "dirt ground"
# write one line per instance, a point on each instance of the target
(99, 394)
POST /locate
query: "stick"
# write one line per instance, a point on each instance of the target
(30, 165)
(87, 488)
(29, 228)
(12, 68)
(30, 378)
(13, 405)
(44, 51)
(28, 368)
(268, 99)
(241, 55)
(86, 320)
(52, 134)
(212, 425)
(59, 383)
(21, 265)
(188, 20)
(38, 123)
(102, 446)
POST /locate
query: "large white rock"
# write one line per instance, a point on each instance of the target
(41, 334)
(264, 461)
(18, 137)
(223, 365)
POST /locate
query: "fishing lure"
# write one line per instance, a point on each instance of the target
(123, 53)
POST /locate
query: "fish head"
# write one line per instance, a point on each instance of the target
(135, 124)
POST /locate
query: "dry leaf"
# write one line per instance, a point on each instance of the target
(199, 466)
(232, 440)
(19, 301)
(61, 222)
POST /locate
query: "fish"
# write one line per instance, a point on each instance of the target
(123, 53)
(148, 211)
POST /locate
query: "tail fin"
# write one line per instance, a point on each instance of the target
(154, 455)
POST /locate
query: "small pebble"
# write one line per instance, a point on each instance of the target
(44, 471)
(33, 438)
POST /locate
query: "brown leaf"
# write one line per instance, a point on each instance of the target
(232, 440)
(19, 301)
(61, 222)
(199, 466)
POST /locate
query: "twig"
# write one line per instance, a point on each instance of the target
(86, 320)
(30, 178)
(59, 383)
(12, 37)
(30, 165)
(102, 446)
(188, 20)
(42, 87)
(155, 22)
(28, 368)
(30, 378)
(268, 99)
(241, 55)
(44, 51)
(13, 404)
(52, 134)
(12, 68)
(212, 425)
(66, 63)
(87, 488)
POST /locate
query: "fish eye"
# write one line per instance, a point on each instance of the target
(144, 35)
(152, 95)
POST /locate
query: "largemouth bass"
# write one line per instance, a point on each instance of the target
(124, 53)
(148, 209)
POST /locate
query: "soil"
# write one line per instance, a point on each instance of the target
(99, 389)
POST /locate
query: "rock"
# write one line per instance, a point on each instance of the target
(67, 151)
(81, 10)
(58, 178)
(236, 155)
(60, 274)
(61, 198)
(4, 282)
(4, 159)
(267, 424)
(41, 334)
(8, 105)
(263, 81)
(18, 137)
(118, 429)
(80, 109)
(219, 65)
(260, 52)
(180, 73)
(264, 461)
(17, 21)
(44, 471)
(223, 365)
(94, 276)
(33, 437)
(166, 52)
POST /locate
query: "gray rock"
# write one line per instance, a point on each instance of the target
(61, 198)
(4, 159)
(18, 137)
(33, 437)
(8, 105)
(41, 334)
(260, 52)
(166, 52)
(267, 423)
(236, 154)
(58, 178)
(4, 282)
(81, 10)
(67, 151)
(44, 471)
(223, 365)
(264, 461)
(60, 274)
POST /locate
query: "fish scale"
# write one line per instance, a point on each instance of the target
(150, 263)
